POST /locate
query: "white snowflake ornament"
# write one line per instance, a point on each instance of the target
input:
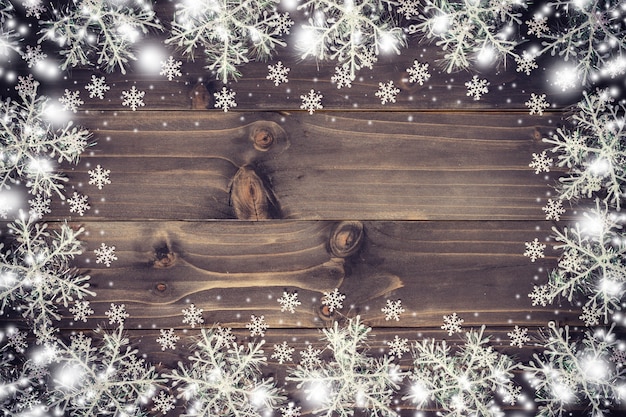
(387, 92)
(225, 99)
(278, 73)
(392, 310)
(116, 314)
(477, 87)
(333, 300)
(257, 326)
(398, 347)
(133, 98)
(81, 310)
(418, 73)
(312, 101)
(342, 77)
(168, 339)
(99, 177)
(78, 203)
(452, 324)
(289, 302)
(553, 209)
(71, 100)
(105, 255)
(163, 403)
(534, 250)
(283, 353)
(193, 315)
(541, 162)
(519, 336)
(171, 68)
(537, 104)
(97, 87)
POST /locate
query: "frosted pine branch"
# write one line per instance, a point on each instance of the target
(106, 379)
(464, 381)
(100, 33)
(349, 379)
(352, 32)
(594, 150)
(36, 276)
(30, 144)
(229, 32)
(471, 30)
(223, 376)
(9, 39)
(569, 374)
(592, 265)
(594, 38)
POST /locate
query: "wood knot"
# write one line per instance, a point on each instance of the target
(200, 97)
(265, 134)
(537, 135)
(161, 287)
(163, 257)
(346, 238)
(251, 196)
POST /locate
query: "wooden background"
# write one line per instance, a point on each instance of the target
(439, 182)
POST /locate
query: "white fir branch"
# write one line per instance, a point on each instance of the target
(100, 33)
(107, 379)
(349, 378)
(228, 32)
(593, 150)
(466, 29)
(570, 373)
(593, 36)
(224, 377)
(462, 381)
(36, 276)
(352, 32)
(31, 145)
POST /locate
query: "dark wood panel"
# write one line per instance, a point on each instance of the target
(235, 269)
(395, 166)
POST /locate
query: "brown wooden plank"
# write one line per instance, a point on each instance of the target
(398, 166)
(235, 269)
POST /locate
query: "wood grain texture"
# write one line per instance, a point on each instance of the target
(235, 269)
(364, 166)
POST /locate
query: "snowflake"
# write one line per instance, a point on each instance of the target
(162, 403)
(39, 206)
(538, 26)
(171, 68)
(476, 87)
(33, 56)
(81, 310)
(409, 8)
(397, 347)
(193, 315)
(133, 98)
(278, 73)
(283, 23)
(418, 73)
(257, 326)
(168, 339)
(290, 411)
(619, 356)
(26, 86)
(537, 104)
(34, 8)
(525, 63)
(554, 209)
(282, 353)
(225, 99)
(519, 336)
(312, 101)
(97, 87)
(590, 315)
(99, 177)
(571, 261)
(342, 77)
(4, 211)
(71, 100)
(80, 343)
(387, 92)
(333, 300)
(540, 295)
(105, 255)
(310, 358)
(289, 302)
(534, 250)
(452, 324)
(29, 401)
(392, 310)
(223, 336)
(541, 162)
(17, 340)
(78, 203)
(116, 314)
